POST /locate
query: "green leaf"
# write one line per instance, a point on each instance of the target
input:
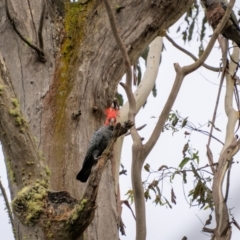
(158, 190)
(191, 31)
(172, 177)
(119, 98)
(195, 157)
(175, 121)
(185, 148)
(147, 167)
(209, 220)
(184, 173)
(146, 195)
(158, 200)
(184, 162)
(130, 195)
(184, 123)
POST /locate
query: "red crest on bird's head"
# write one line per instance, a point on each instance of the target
(111, 114)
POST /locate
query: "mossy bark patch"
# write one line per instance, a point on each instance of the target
(15, 111)
(29, 203)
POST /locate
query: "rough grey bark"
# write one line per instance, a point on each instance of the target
(83, 68)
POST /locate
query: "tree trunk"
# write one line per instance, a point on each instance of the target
(80, 75)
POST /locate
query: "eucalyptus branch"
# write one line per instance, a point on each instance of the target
(137, 145)
(9, 210)
(230, 148)
(214, 69)
(180, 74)
(224, 47)
(149, 78)
(141, 93)
(231, 113)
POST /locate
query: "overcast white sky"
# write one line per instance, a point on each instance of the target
(196, 100)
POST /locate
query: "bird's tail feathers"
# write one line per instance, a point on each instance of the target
(83, 175)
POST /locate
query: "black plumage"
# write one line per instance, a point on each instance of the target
(98, 144)
(215, 10)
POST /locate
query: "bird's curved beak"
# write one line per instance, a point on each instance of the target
(112, 122)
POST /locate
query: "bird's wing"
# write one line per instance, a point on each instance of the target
(93, 145)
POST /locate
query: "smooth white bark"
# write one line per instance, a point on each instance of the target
(141, 94)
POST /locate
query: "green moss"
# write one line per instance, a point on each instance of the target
(76, 15)
(77, 210)
(29, 163)
(29, 203)
(44, 183)
(15, 103)
(47, 170)
(15, 111)
(22, 129)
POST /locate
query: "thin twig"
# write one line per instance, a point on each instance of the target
(235, 223)
(128, 205)
(205, 133)
(187, 170)
(138, 129)
(10, 215)
(208, 230)
(214, 69)
(181, 72)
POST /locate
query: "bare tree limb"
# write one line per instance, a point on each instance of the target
(214, 69)
(141, 93)
(137, 149)
(224, 46)
(208, 230)
(231, 147)
(180, 74)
